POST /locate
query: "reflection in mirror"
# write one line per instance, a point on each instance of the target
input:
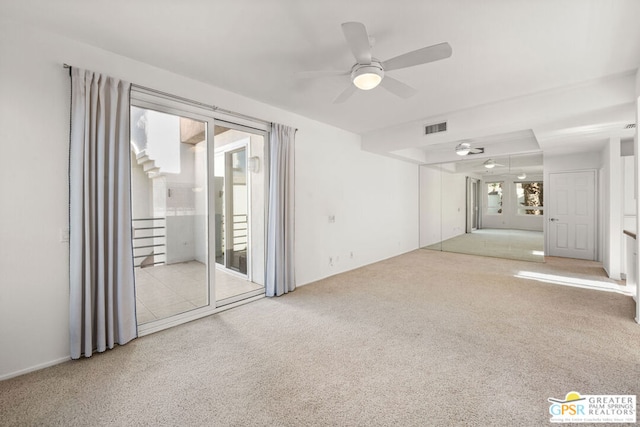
(430, 207)
(490, 207)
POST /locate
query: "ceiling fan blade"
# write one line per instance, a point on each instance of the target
(417, 57)
(346, 94)
(398, 88)
(358, 40)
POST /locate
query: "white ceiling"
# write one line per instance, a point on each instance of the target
(502, 51)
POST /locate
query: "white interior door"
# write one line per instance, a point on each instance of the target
(572, 215)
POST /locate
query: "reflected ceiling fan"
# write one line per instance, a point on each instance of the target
(465, 148)
(490, 164)
(369, 72)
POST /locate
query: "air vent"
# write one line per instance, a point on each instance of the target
(438, 127)
(630, 126)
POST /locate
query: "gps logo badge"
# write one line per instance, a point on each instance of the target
(569, 406)
(575, 408)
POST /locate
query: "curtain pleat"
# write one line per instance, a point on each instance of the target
(280, 269)
(102, 293)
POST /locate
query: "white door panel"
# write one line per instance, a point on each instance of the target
(571, 215)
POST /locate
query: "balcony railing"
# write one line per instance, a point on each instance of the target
(149, 241)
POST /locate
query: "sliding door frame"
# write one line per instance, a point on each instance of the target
(166, 103)
(263, 131)
(228, 210)
(182, 108)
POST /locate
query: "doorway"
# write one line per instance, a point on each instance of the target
(170, 206)
(572, 215)
(240, 188)
(473, 204)
(232, 208)
(175, 194)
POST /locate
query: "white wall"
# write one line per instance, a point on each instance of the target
(612, 182)
(141, 192)
(257, 182)
(572, 162)
(454, 204)
(628, 204)
(34, 151)
(628, 198)
(181, 216)
(373, 198)
(605, 184)
(635, 261)
(430, 205)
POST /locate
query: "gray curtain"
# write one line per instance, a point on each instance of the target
(102, 295)
(280, 277)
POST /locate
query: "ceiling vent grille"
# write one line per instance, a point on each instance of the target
(435, 128)
(630, 126)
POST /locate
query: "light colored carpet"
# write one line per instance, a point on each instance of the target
(500, 243)
(426, 338)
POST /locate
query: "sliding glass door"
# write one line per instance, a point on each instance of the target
(170, 206)
(233, 199)
(198, 205)
(239, 217)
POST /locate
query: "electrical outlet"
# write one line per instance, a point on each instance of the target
(332, 219)
(331, 261)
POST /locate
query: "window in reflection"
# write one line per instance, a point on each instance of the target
(466, 208)
(494, 198)
(530, 198)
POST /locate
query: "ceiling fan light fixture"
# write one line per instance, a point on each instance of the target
(489, 164)
(463, 149)
(366, 77)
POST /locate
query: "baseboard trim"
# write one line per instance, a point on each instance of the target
(141, 333)
(34, 368)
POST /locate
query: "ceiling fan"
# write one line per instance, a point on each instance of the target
(369, 72)
(465, 148)
(490, 164)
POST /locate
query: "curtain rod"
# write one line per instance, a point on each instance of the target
(201, 104)
(212, 107)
